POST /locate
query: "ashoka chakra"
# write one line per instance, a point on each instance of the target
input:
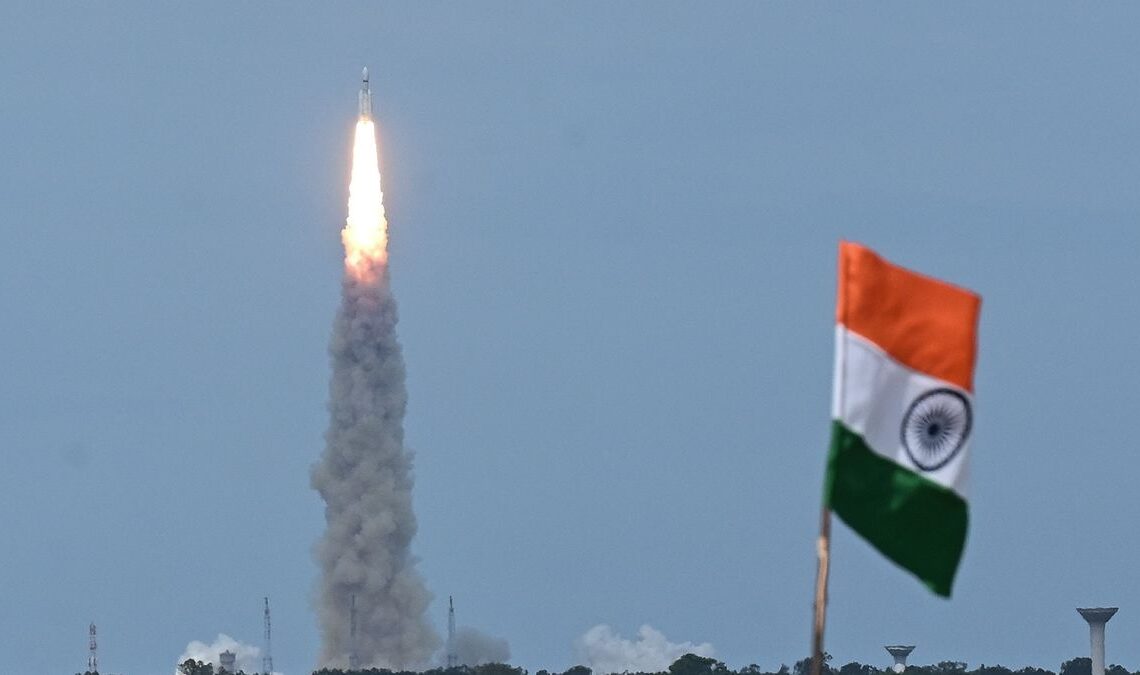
(936, 427)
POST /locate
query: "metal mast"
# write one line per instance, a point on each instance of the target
(452, 657)
(92, 646)
(267, 660)
(352, 660)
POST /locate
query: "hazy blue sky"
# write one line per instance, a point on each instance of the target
(614, 231)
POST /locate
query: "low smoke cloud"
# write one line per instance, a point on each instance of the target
(474, 648)
(248, 657)
(605, 651)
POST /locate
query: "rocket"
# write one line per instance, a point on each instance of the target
(365, 97)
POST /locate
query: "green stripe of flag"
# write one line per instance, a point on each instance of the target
(915, 522)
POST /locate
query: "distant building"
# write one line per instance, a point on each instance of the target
(226, 660)
(900, 652)
(1097, 617)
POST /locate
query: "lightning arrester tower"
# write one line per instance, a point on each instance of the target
(452, 657)
(267, 660)
(353, 662)
(92, 647)
(1097, 617)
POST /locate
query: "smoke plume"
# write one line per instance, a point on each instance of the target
(605, 651)
(365, 472)
(248, 657)
(474, 648)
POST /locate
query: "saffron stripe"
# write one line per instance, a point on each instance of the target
(926, 324)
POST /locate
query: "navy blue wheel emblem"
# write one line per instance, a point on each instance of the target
(935, 428)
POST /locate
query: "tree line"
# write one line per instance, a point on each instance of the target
(691, 664)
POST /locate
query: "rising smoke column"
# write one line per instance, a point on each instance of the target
(365, 473)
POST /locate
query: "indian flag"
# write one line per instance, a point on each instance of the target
(902, 413)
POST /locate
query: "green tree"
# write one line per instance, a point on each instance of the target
(1082, 665)
(994, 670)
(496, 669)
(803, 666)
(855, 668)
(691, 664)
(192, 667)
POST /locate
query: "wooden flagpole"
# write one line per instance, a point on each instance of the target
(823, 551)
(823, 545)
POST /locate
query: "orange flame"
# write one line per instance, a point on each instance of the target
(365, 234)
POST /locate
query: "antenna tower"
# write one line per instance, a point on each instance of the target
(92, 646)
(452, 657)
(352, 660)
(267, 660)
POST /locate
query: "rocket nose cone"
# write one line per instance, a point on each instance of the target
(364, 74)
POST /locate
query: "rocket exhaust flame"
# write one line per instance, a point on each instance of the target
(371, 599)
(365, 235)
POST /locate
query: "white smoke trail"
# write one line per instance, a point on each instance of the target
(605, 651)
(365, 472)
